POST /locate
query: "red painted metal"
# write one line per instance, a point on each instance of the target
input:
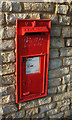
(32, 40)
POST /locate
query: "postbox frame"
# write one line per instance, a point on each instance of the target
(18, 100)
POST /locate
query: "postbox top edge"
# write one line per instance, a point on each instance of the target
(33, 20)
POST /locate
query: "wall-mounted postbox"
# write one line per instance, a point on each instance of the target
(32, 58)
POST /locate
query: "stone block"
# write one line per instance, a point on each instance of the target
(64, 20)
(54, 82)
(56, 42)
(70, 67)
(45, 100)
(53, 17)
(8, 99)
(6, 6)
(65, 108)
(62, 96)
(52, 90)
(39, 116)
(9, 109)
(8, 68)
(53, 111)
(69, 42)
(59, 115)
(67, 61)
(61, 88)
(69, 88)
(66, 79)
(58, 72)
(47, 107)
(67, 31)
(67, 51)
(8, 57)
(67, 113)
(31, 112)
(16, 7)
(55, 31)
(54, 53)
(62, 9)
(9, 33)
(63, 103)
(7, 45)
(8, 79)
(56, 63)
(2, 18)
(17, 115)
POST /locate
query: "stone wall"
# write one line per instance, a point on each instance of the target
(58, 102)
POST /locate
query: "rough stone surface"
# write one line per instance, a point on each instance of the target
(8, 57)
(65, 79)
(56, 42)
(8, 99)
(54, 82)
(52, 91)
(60, 115)
(66, 51)
(6, 6)
(31, 112)
(47, 107)
(39, 116)
(8, 68)
(55, 31)
(69, 87)
(9, 109)
(67, 32)
(58, 72)
(45, 100)
(67, 61)
(63, 103)
(2, 18)
(17, 115)
(16, 7)
(53, 17)
(7, 45)
(62, 9)
(8, 33)
(69, 42)
(71, 68)
(53, 111)
(65, 108)
(54, 53)
(8, 79)
(56, 63)
(64, 20)
(62, 88)
(67, 113)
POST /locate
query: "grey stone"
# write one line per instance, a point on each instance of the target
(67, 31)
(66, 79)
(53, 111)
(8, 33)
(60, 115)
(8, 99)
(39, 116)
(2, 18)
(8, 68)
(31, 112)
(7, 45)
(54, 53)
(6, 6)
(16, 7)
(65, 108)
(56, 42)
(69, 88)
(67, 61)
(9, 109)
(58, 72)
(62, 96)
(66, 51)
(8, 79)
(52, 90)
(69, 42)
(27, 6)
(47, 107)
(64, 20)
(8, 57)
(62, 9)
(19, 114)
(61, 88)
(67, 113)
(55, 31)
(54, 82)
(71, 68)
(45, 100)
(56, 63)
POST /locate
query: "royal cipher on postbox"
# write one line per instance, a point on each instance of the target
(32, 58)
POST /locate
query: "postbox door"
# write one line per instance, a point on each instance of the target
(32, 75)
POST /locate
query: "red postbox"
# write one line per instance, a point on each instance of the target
(32, 58)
